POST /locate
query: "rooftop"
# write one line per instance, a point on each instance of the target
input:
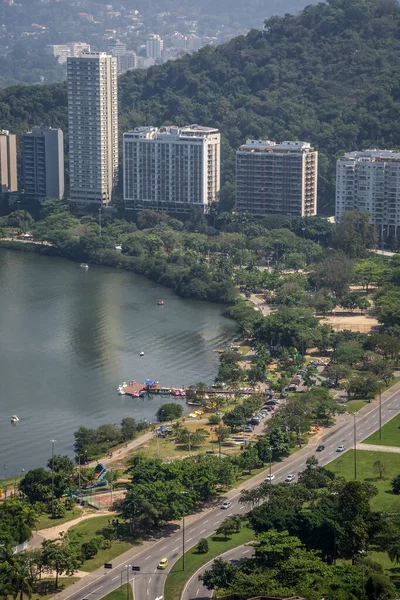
(373, 155)
(270, 146)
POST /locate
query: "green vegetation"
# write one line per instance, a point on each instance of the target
(256, 84)
(112, 534)
(92, 444)
(353, 406)
(390, 434)
(344, 466)
(46, 520)
(124, 593)
(194, 559)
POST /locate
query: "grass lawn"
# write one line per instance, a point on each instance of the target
(45, 521)
(390, 433)
(120, 594)
(177, 578)
(86, 530)
(390, 567)
(344, 466)
(353, 406)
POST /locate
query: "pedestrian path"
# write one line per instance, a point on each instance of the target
(378, 448)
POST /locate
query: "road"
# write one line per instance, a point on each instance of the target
(149, 583)
(195, 590)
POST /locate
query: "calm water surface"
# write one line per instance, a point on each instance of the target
(68, 337)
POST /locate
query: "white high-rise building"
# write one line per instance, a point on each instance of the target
(64, 51)
(276, 178)
(154, 46)
(369, 181)
(193, 42)
(93, 128)
(171, 168)
(8, 162)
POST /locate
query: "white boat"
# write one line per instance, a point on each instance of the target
(121, 391)
(142, 353)
(84, 266)
(14, 419)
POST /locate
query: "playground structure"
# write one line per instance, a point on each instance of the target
(99, 472)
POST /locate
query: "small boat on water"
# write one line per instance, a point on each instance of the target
(121, 391)
(141, 353)
(160, 303)
(14, 419)
(84, 266)
(178, 392)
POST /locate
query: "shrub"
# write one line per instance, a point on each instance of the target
(395, 483)
(202, 546)
(89, 549)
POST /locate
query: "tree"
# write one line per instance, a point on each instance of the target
(222, 433)
(395, 484)
(229, 526)
(381, 468)
(348, 353)
(379, 587)
(170, 411)
(354, 235)
(89, 549)
(334, 273)
(36, 485)
(128, 428)
(60, 556)
(202, 546)
(219, 576)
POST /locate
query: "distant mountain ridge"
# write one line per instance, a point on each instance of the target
(330, 75)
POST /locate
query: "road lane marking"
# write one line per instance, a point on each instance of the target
(96, 590)
(202, 531)
(114, 578)
(177, 548)
(148, 591)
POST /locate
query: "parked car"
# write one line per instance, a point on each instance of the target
(320, 448)
(247, 428)
(341, 448)
(226, 504)
(290, 477)
(270, 477)
(271, 403)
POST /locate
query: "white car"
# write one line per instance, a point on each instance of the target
(226, 504)
(290, 477)
(341, 448)
(270, 477)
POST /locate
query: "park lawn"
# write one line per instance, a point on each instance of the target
(390, 434)
(344, 465)
(353, 406)
(124, 593)
(389, 567)
(177, 578)
(45, 521)
(90, 528)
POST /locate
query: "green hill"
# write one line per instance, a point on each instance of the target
(330, 76)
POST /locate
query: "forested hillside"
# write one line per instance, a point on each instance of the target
(330, 76)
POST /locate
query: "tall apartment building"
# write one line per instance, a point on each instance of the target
(171, 168)
(369, 181)
(43, 163)
(154, 46)
(64, 51)
(93, 128)
(276, 178)
(8, 162)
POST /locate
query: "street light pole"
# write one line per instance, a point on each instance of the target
(52, 476)
(100, 219)
(355, 447)
(183, 542)
(380, 411)
(270, 464)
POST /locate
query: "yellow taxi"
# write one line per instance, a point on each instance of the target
(163, 564)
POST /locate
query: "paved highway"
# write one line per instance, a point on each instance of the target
(149, 583)
(195, 590)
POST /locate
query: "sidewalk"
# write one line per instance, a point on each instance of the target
(378, 448)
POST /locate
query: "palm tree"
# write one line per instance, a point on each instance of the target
(394, 552)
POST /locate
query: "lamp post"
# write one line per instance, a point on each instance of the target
(355, 447)
(270, 464)
(100, 219)
(52, 476)
(380, 409)
(183, 492)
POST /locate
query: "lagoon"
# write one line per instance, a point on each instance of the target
(69, 336)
